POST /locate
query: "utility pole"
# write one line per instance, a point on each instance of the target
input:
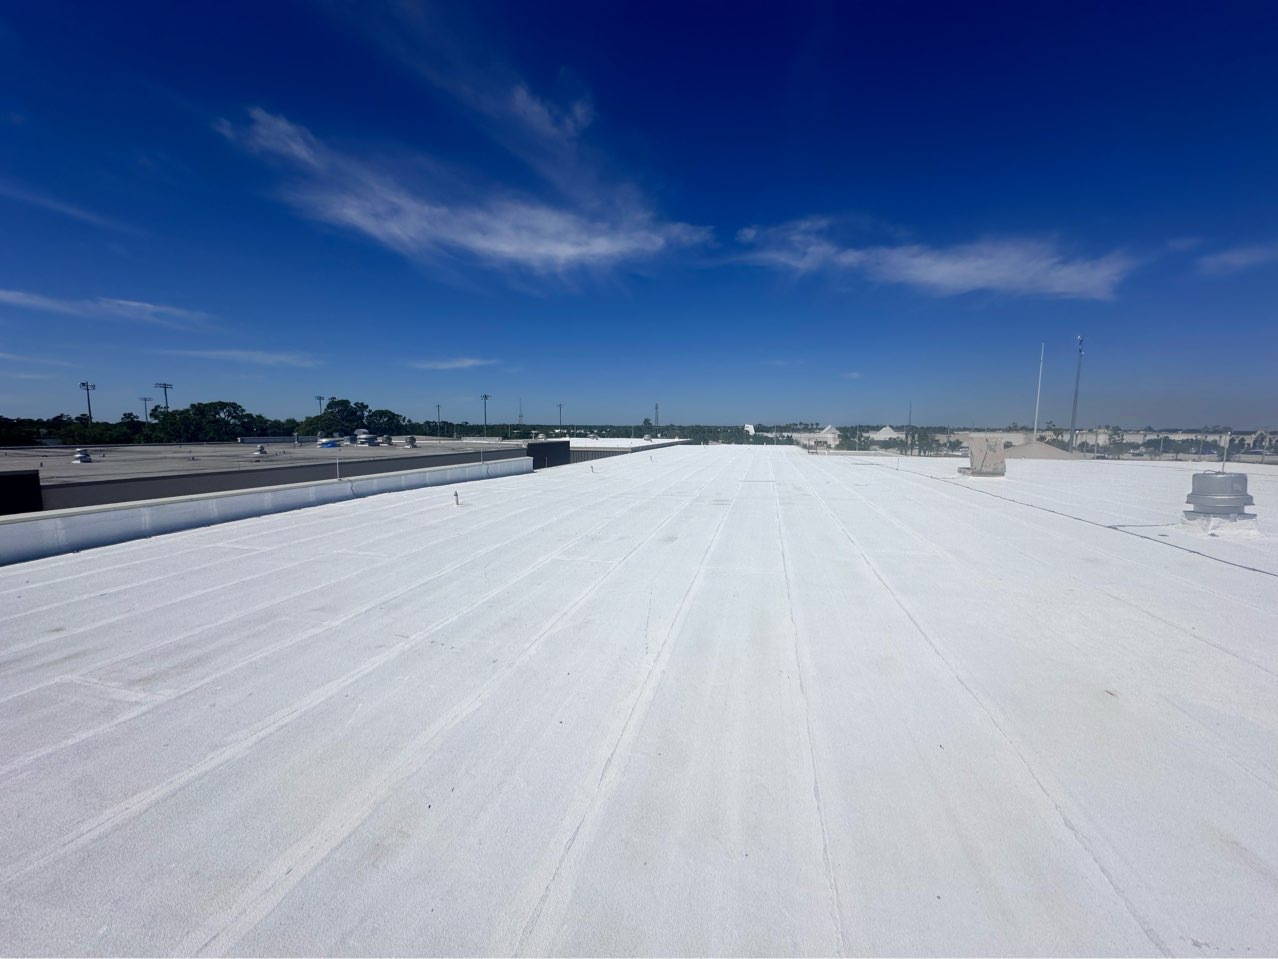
(88, 388)
(656, 412)
(485, 397)
(145, 414)
(561, 416)
(320, 400)
(521, 411)
(166, 387)
(1073, 416)
(1039, 395)
(439, 422)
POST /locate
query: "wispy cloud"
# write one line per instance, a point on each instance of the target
(41, 360)
(547, 134)
(1238, 258)
(852, 375)
(254, 357)
(22, 194)
(783, 363)
(570, 211)
(154, 313)
(1026, 267)
(430, 217)
(460, 363)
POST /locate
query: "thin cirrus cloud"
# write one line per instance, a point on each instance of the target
(253, 357)
(157, 314)
(23, 194)
(460, 363)
(1237, 259)
(1024, 267)
(429, 217)
(41, 360)
(549, 137)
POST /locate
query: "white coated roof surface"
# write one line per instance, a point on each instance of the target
(733, 700)
(621, 442)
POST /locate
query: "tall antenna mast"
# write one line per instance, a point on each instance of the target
(1073, 416)
(1039, 395)
(88, 388)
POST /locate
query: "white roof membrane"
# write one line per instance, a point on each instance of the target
(720, 700)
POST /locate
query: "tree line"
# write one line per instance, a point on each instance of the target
(226, 421)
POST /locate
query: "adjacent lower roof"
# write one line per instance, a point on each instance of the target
(735, 700)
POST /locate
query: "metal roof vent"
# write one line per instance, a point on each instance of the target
(81, 456)
(1219, 496)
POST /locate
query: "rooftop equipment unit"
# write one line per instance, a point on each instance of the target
(1219, 496)
(987, 458)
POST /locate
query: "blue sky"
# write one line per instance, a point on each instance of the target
(747, 213)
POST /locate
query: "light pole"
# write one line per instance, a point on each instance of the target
(1073, 416)
(320, 400)
(656, 412)
(485, 397)
(561, 416)
(439, 422)
(145, 414)
(88, 388)
(166, 387)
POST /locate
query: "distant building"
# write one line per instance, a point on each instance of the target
(827, 438)
(887, 433)
(749, 428)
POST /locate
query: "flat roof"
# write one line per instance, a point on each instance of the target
(728, 699)
(126, 462)
(623, 442)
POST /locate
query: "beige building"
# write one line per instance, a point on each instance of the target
(827, 438)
